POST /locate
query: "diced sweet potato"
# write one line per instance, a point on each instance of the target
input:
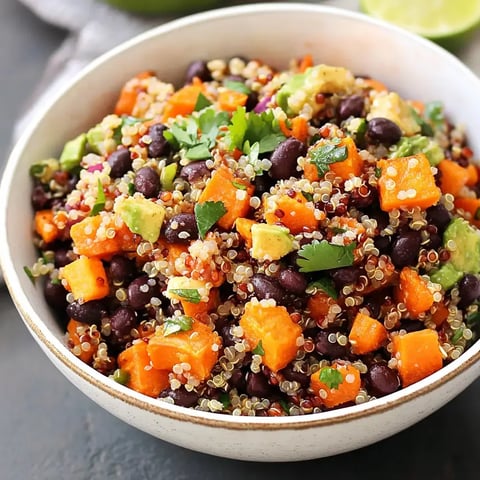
(45, 226)
(331, 394)
(90, 237)
(142, 377)
(413, 292)
(352, 165)
(418, 355)
(234, 193)
(470, 206)
(277, 332)
(197, 347)
(86, 279)
(293, 212)
(82, 345)
(366, 334)
(230, 100)
(244, 228)
(453, 177)
(407, 182)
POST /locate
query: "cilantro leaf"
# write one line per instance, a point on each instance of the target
(207, 214)
(29, 274)
(202, 102)
(331, 377)
(434, 113)
(254, 128)
(100, 201)
(425, 128)
(239, 185)
(176, 324)
(126, 120)
(236, 86)
(325, 155)
(198, 152)
(191, 295)
(457, 335)
(322, 255)
(258, 350)
(326, 285)
(225, 399)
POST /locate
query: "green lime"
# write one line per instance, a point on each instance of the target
(449, 23)
(162, 6)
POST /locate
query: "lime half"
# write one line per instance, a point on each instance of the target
(447, 22)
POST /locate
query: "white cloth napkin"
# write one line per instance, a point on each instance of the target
(93, 27)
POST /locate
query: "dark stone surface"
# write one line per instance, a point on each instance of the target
(49, 430)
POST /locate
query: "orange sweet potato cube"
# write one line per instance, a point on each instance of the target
(407, 182)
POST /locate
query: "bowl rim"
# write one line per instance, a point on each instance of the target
(53, 346)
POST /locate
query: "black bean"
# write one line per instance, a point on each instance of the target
(468, 289)
(351, 107)
(267, 287)
(228, 340)
(147, 181)
(328, 349)
(293, 281)
(182, 397)
(195, 171)
(198, 69)
(382, 380)
(120, 162)
(405, 248)
(345, 276)
(55, 295)
(284, 159)
(257, 385)
(141, 290)
(39, 197)
(63, 256)
(383, 130)
(122, 321)
(374, 304)
(293, 376)
(90, 312)
(434, 242)
(382, 243)
(181, 228)
(121, 269)
(439, 216)
(251, 102)
(237, 380)
(411, 325)
(159, 145)
(263, 183)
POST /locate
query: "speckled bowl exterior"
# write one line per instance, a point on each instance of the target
(275, 33)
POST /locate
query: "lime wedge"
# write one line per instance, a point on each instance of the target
(449, 23)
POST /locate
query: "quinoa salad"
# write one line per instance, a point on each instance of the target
(262, 242)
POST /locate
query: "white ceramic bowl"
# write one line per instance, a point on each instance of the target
(275, 33)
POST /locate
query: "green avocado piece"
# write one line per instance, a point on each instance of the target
(73, 152)
(302, 88)
(270, 241)
(446, 276)
(167, 176)
(465, 257)
(95, 139)
(408, 146)
(142, 216)
(295, 83)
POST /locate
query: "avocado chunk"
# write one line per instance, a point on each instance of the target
(446, 276)
(186, 288)
(465, 256)
(408, 146)
(302, 88)
(142, 216)
(96, 139)
(270, 242)
(167, 176)
(73, 152)
(392, 106)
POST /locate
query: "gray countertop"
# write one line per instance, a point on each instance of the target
(49, 430)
